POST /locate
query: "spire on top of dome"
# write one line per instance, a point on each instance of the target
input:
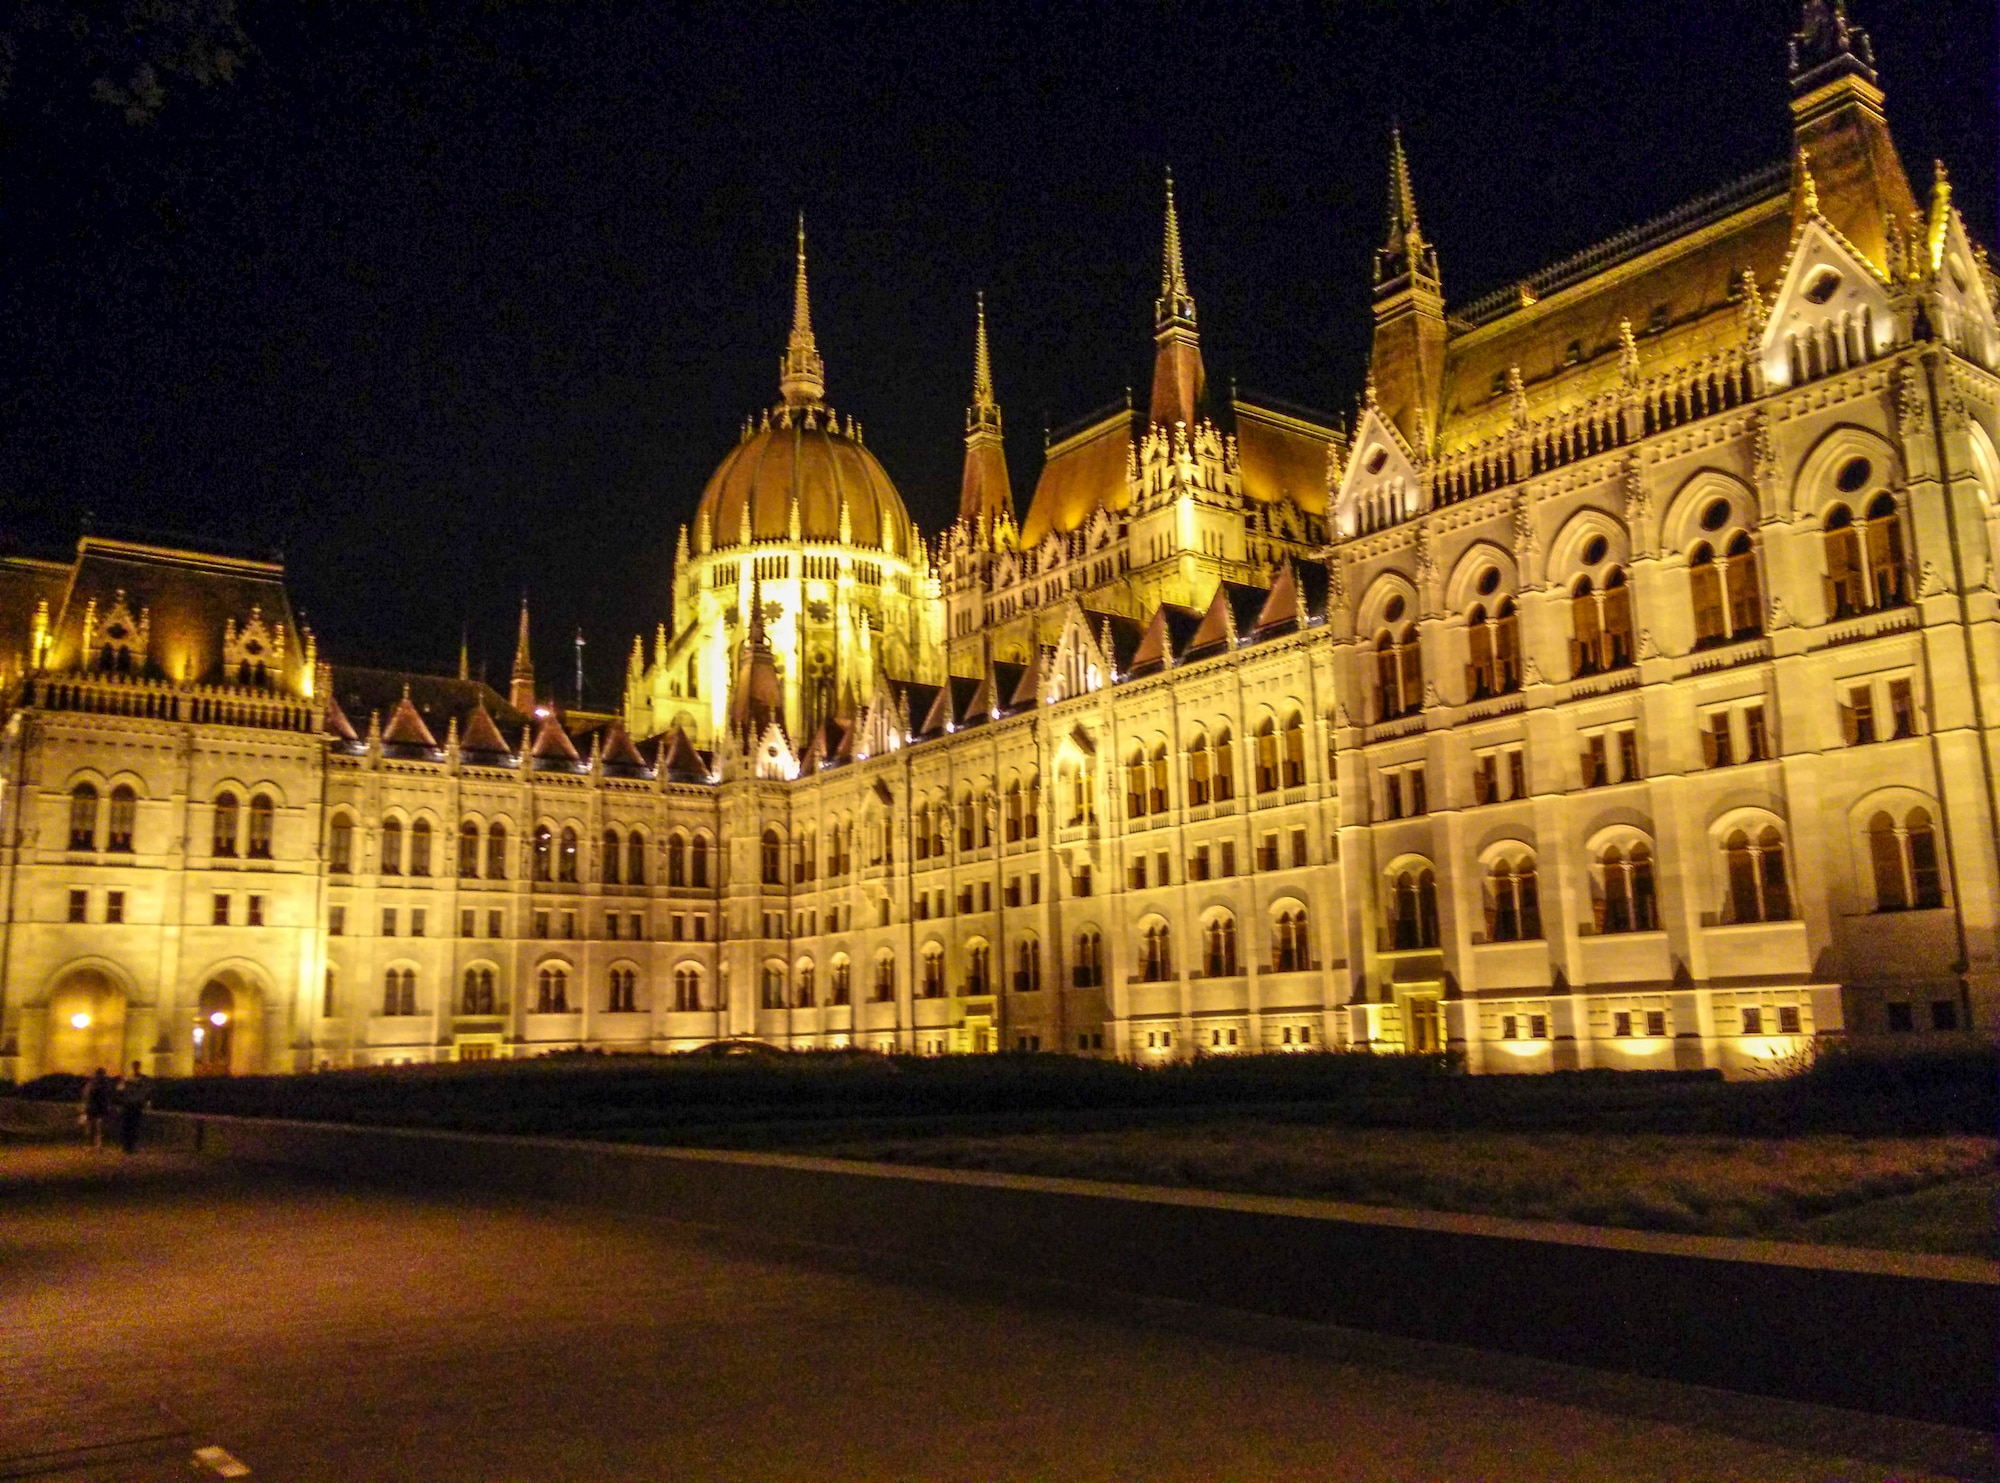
(801, 374)
(984, 493)
(1176, 301)
(1180, 384)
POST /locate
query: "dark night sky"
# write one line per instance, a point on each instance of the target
(455, 299)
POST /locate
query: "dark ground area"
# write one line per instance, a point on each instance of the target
(154, 1306)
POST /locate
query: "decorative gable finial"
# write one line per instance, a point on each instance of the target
(1628, 353)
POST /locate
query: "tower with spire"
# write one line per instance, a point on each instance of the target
(1180, 385)
(521, 684)
(1406, 366)
(801, 372)
(985, 498)
(1841, 133)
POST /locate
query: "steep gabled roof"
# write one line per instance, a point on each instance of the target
(679, 759)
(406, 728)
(618, 754)
(552, 743)
(335, 721)
(481, 737)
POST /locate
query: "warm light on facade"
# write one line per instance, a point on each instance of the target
(79, 1021)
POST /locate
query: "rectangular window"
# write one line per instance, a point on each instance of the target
(79, 907)
(986, 895)
(1902, 708)
(1715, 741)
(1628, 755)
(1228, 858)
(1135, 874)
(388, 921)
(1517, 774)
(1538, 1027)
(611, 926)
(1486, 779)
(1013, 897)
(1392, 795)
(701, 928)
(1081, 880)
(1656, 1023)
(1200, 865)
(1788, 1019)
(1753, 1020)
(1944, 1014)
(219, 910)
(637, 926)
(1621, 1023)
(1034, 890)
(1510, 1027)
(256, 912)
(541, 924)
(1900, 1018)
(676, 928)
(417, 921)
(1419, 801)
(114, 906)
(1162, 871)
(569, 926)
(1267, 853)
(1299, 847)
(336, 921)
(1857, 717)
(923, 906)
(493, 928)
(1596, 764)
(468, 923)
(1756, 736)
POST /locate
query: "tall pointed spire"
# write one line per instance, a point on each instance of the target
(801, 374)
(756, 698)
(1404, 250)
(521, 687)
(464, 653)
(1406, 366)
(1839, 118)
(1180, 384)
(984, 493)
(1176, 301)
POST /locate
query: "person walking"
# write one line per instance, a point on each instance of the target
(96, 1105)
(133, 1091)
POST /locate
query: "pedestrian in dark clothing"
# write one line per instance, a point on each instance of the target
(132, 1093)
(96, 1105)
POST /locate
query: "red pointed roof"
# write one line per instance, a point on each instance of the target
(553, 741)
(335, 721)
(618, 748)
(406, 727)
(678, 755)
(481, 735)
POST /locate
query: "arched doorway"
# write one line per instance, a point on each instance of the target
(215, 1029)
(86, 1024)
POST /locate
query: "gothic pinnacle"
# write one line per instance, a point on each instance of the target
(801, 374)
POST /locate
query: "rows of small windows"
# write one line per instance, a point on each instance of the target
(479, 993)
(553, 855)
(1866, 569)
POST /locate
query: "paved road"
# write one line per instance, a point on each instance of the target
(155, 1306)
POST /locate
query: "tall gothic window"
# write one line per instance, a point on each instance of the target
(567, 864)
(1399, 673)
(340, 845)
(124, 814)
(420, 847)
(83, 818)
(496, 852)
(224, 834)
(468, 850)
(1906, 861)
(261, 813)
(1626, 902)
(1758, 888)
(392, 846)
(1495, 644)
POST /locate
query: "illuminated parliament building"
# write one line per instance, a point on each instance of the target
(1619, 687)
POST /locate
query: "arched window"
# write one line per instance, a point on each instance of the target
(1027, 965)
(340, 845)
(1198, 771)
(772, 857)
(1513, 902)
(698, 861)
(940, 821)
(224, 833)
(1225, 766)
(979, 969)
(841, 987)
(468, 850)
(1156, 795)
(885, 978)
(772, 990)
(1626, 902)
(677, 861)
(1600, 624)
(1888, 570)
(476, 997)
(1414, 923)
(806, 992)
(1135, 784)
(1291, 943)
(965, 819)
(1846, 587)
(552, 990)
(1758, 887)
(614, 856)
(83, 818)
(496, 852)
(566, 866)
(1399, 673)
(1906, 862)
(124, 815)
(1295, 751)
(544, 853)
(1728, 600)
(922, 847)
(1219, 947)
(399, 991)
(260, 826)
(624, 991)
(1031, 824)
(1266, 740)
(1156, 963)
(1495, 645)
(933, 972)
(420, 847)
(635, 859)
(392, 846)
(1088, 970)
(687, 989)
(1013, 825)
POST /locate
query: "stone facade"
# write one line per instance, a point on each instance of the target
(1620, 691)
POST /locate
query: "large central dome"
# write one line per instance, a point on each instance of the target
(799, 475)
(801, 478)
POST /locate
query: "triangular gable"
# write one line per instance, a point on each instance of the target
(681, 761)
(1281, 609)
(482, 736)
(1830, 299)
(406, 728)
(552, 743)
(965, 692)
(1315, 590)
(1155, 651)
(1381, 483)
(336, 723)
(1216, 633)
(774, 758)
(1079, 665)
(1027, 689)
(919, 702)
(1966, 312)
(618, 749)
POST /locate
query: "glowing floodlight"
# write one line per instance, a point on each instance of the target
(218, 1019)
(80, 1020)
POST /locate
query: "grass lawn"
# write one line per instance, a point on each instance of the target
(1910, 1194)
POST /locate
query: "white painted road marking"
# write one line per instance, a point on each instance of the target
(221, 1462)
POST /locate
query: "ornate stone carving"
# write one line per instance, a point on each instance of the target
(1933, 581)
(1638, 509)
(1647, 648)
(1531, 672)
(1781, 616)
